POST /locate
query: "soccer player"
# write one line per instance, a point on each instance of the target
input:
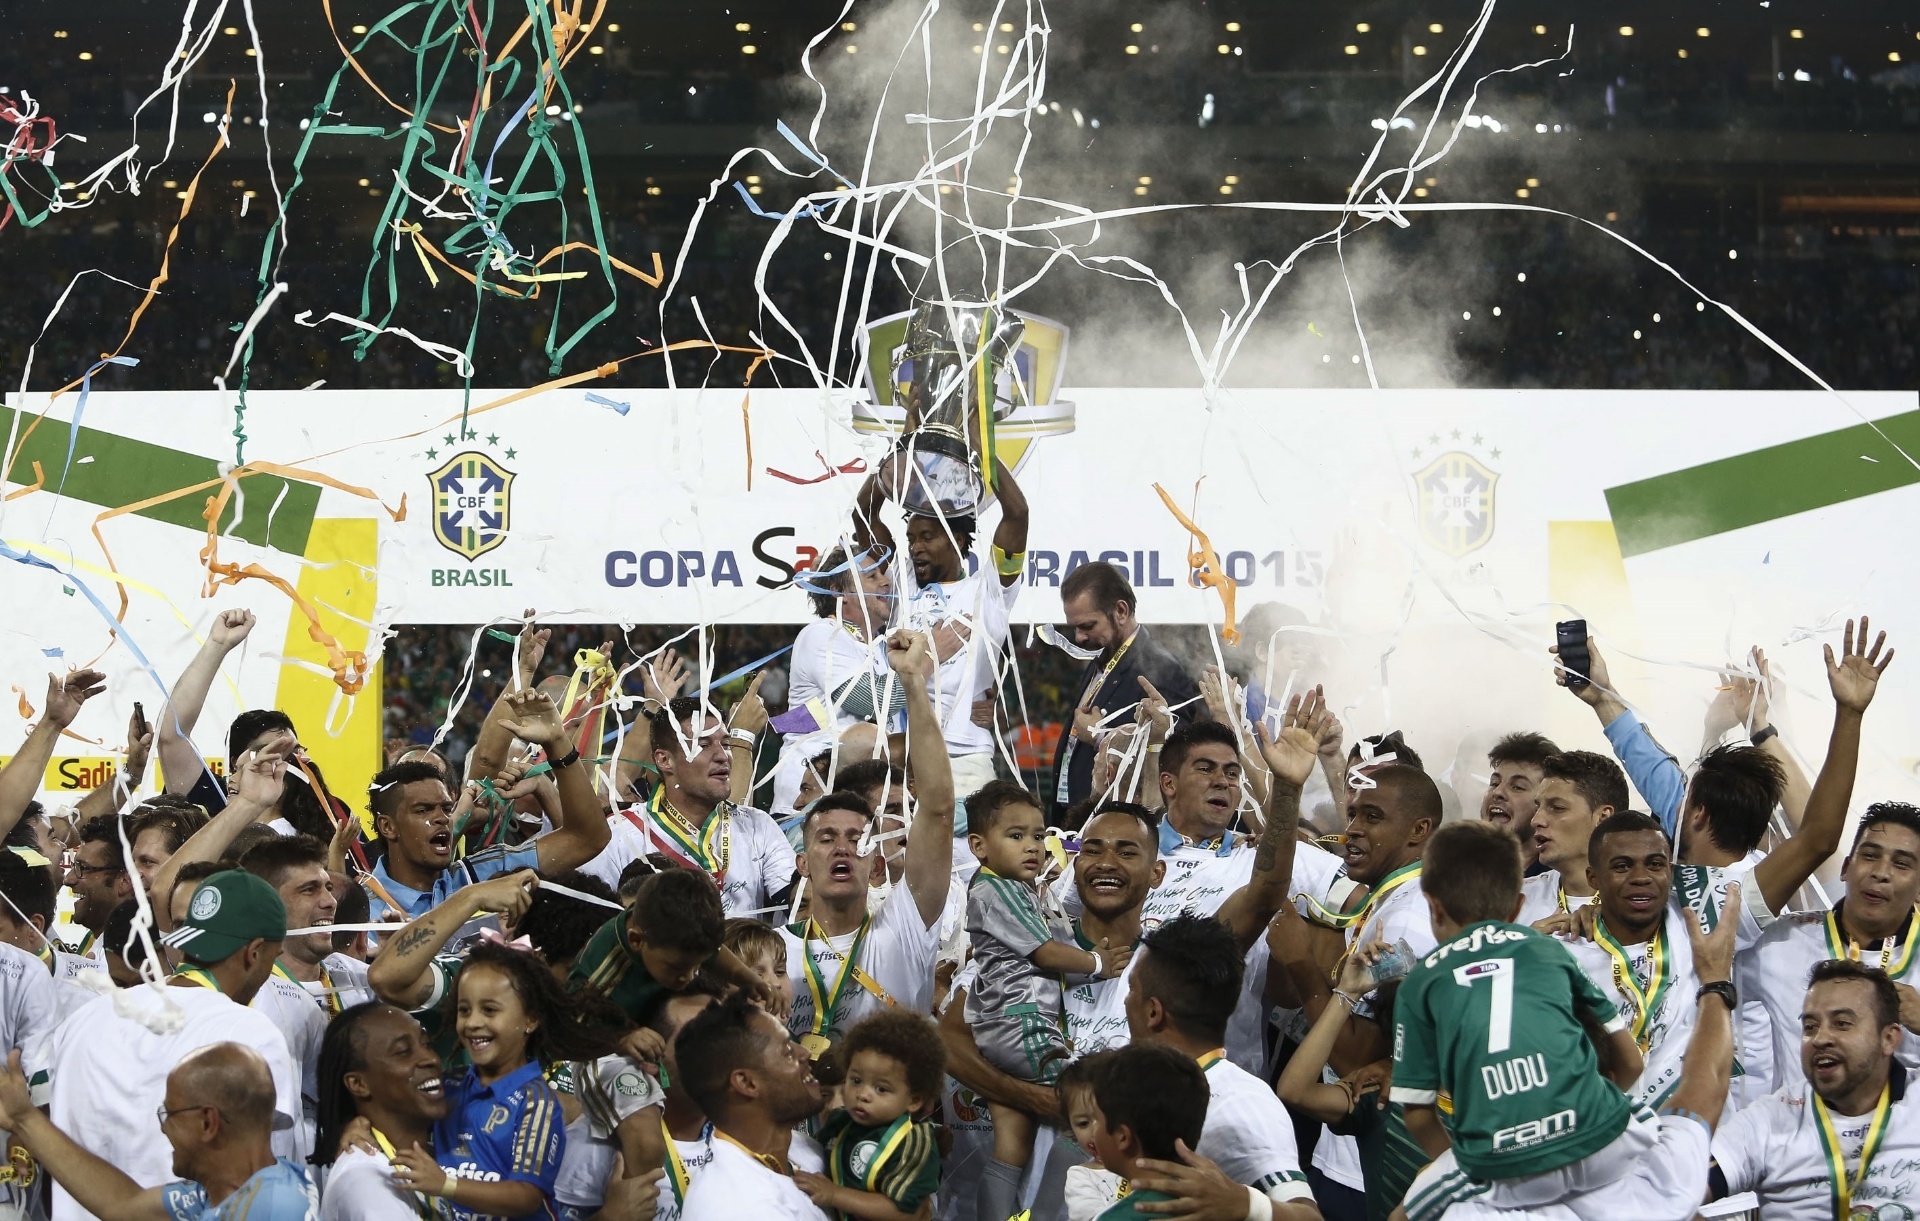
(1513, 788)
(1497, 1018)
(1844, 1141)
(1578, 791)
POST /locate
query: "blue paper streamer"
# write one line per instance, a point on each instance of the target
(622, 408)
(80, 409)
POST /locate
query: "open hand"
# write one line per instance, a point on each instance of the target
(819, 1188)
(530, 650)
(631, 1199)
(1200, 1189)
(1856, 676)
(66, 695)
(531, 717)
(263, 773)
(1113, 958)
(416, 1170)
(1292, 754)
(663, 678)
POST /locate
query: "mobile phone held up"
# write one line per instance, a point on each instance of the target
(1574, 658)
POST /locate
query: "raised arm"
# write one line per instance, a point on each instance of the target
(179, 758)
(1010, 536)
(262, 775)
(101, 1187)
(1853, 680)
(929, 866)
(580, 831)
(108, 798)
(744, 726)
(1226, 702)
(870, 529)
(1742, 699)
(1290, 759)
(494, 741)
(1707, 1067)
(20, 779)
(401, 973)
(1654, 772)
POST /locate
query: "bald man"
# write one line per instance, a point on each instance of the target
(218, 1116)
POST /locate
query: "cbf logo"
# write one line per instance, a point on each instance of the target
(1456, 500)
(472, 509)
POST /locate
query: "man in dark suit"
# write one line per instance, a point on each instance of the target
(1100, 604)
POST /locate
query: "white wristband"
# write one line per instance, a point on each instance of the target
(740, 735)
(1259, 1208)
(1099, 963)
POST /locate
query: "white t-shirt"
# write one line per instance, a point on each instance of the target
(1672, 1026)
(108, 1075)
(735, 1186)
(985, 606)
(1772, 1148)
(68, 990)
(695, 1157)
(898, 954)
(1540, 897)
(1704, 889)
(361, 1187)
(30, 1010)
(826, 655)
(1776, 968)
(610, 1090)
(292, 1008)
(1090, 1191)
(760, 861)
(349, 975)
(1249, 1134)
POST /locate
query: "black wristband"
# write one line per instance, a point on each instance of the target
(1722, 989)
(568, 760)
(1761, 735)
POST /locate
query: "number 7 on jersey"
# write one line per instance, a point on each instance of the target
(1500, 1017)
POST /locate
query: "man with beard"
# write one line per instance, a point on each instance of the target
(693, 819)
(1100, 607)
(99, 880)
(754, 1083)
(1513, 784)
(413, 816)
(852, 961)
(1844, 1140)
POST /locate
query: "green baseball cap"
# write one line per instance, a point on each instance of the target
(229, 909)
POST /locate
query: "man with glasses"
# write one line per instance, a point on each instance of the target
(97, 874)
(218, 1117)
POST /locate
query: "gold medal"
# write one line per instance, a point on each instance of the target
(817, 1045)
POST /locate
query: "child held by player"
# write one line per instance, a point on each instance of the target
(1020, 952)
(883, 1161)
(1500, 1017)
(760, 947)
(1148, 1099)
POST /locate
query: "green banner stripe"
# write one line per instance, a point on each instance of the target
(124, 471)
(1767, 484)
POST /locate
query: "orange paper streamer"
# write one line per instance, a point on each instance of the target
(1206, 561)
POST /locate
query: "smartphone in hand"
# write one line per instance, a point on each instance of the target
(1574, 658)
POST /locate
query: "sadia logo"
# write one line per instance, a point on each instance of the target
(472, 509)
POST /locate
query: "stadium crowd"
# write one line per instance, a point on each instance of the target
(563, 980)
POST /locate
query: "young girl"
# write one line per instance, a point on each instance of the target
(498, 1151)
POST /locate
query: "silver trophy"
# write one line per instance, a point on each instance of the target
(950, 368)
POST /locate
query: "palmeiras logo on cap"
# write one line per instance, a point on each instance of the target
(1456, 501)
(472, 505)
(205, 905)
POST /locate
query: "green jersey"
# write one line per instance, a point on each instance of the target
(1126, 1208)
(1527, 1095)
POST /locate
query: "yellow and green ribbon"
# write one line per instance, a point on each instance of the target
(1842, 1184)
(677, 1176)
(199, 976)
(888, 1143)
(701, 852)
(826, 999)
(1839, 945)
(421, 1204)
(1342, 920)
(1648, 997)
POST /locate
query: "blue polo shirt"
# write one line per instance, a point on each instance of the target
(510, 1131)
(468, 869)
(280, 1192)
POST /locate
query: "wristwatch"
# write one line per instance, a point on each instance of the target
(568, 760)
(1722, 989)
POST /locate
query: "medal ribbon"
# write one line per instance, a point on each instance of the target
(826, 1000)
(699, 852)
(198, 976)
(889, 1141)
(421, 1205)
(1092, 689)
(1212, 1058)
(1839, 945)
(1392, 882)
(776, 1164)
(1842, 1184)
(1646, 998)
(677, 1177)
